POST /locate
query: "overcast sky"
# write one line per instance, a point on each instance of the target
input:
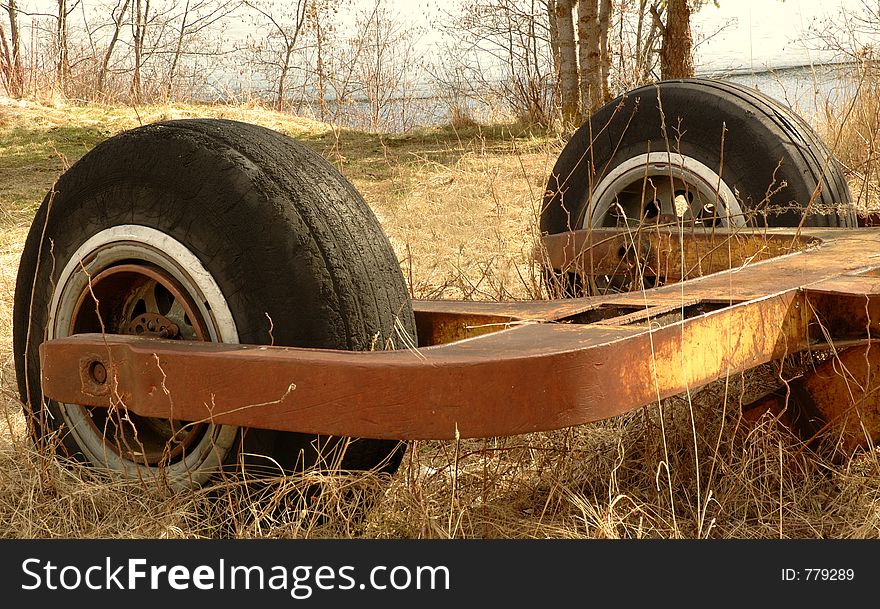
(763, 33)
(752, 34)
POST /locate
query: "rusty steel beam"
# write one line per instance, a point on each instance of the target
(547, 365)
(529, 378)
(664, 252)
(444, 321)
(843, 396)
(835, 404)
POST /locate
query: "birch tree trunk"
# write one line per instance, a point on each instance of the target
(568, 68)
(554, 36)
(589, 55)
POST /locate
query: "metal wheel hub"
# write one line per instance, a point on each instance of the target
(136, 280)
(662, 188)
(144, 300)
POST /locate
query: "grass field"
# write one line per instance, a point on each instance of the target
(460, 208)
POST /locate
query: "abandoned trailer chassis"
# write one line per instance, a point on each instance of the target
(732, 300)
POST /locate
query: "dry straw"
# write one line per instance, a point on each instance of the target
(460, 206)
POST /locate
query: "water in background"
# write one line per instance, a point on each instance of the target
(773, 46)
(808, 90)
(762, 44)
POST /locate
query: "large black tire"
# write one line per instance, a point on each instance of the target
(280, 246)
(773, 165)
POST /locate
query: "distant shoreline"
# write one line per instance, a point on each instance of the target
(745, 71)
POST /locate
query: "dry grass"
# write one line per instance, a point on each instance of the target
(852, 130)
(459, 207)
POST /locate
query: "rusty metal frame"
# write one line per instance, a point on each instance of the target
(732, 300)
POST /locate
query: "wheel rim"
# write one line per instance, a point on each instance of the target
(652, 190)
(136, 280)
(662, 188)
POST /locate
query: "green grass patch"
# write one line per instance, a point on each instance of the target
(37, 144)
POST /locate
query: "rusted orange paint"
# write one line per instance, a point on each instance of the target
(845, 393)
(499, 369)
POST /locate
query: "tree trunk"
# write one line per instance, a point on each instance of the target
(289, 34)
(62, 68)
(169, 87)
(105, 64)
(377, 80)
(647, 56)
(319, 67)
(640, 23)
(554, 36)
(676, 56)
(282, 78)
(136, 41)
(139, 33)
(16, 81)
(5, 59)
(568, 68)
(588, 50)
(605, 48)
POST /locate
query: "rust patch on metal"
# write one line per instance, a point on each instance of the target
(153, 325)
(436, 328)
(508, 368)
(531, 377)
(845, 393)
(93, 376)
(665, 252)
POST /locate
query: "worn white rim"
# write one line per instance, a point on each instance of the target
(143, 244)
(663, 166)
